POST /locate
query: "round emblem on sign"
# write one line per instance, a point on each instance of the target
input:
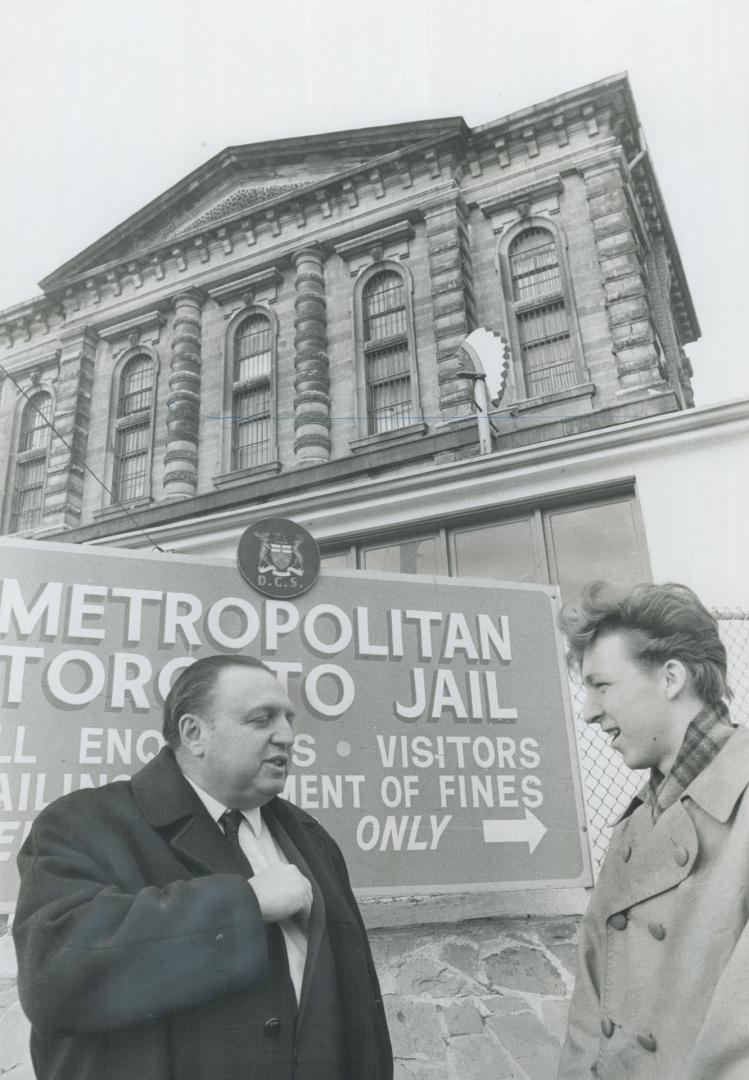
(278, 558)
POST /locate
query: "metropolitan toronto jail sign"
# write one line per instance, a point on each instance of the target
(433, 733)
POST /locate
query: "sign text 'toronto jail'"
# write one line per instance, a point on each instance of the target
(118, 618)
(432, 715)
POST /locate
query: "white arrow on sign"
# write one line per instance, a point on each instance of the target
(528, 830)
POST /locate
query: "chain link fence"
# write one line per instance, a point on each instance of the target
(608, 785)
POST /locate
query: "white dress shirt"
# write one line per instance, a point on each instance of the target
(257, 843)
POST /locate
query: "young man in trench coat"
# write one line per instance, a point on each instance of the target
(662, 988)
(188, 924)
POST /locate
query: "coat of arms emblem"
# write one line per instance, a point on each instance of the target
(279, 554)
(278, 557)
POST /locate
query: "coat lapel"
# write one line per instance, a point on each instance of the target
(659, 856)
(201, 841)
(303, 831)
(172, 808)
(316, 925)
(719, 787)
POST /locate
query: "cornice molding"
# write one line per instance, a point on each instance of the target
(522, 198)
(247, 286)
(82, 334)
(32, 370)
(450, 196)
(22, 322)
(379, 237)
(604, 109)
(153, 319)
(376, 173)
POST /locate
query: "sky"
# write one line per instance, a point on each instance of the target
(104, 105)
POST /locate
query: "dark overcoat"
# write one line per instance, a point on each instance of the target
(143, 954)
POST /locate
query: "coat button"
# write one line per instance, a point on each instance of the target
(647, 1042)
(219, 938)
(681, 855)
(619, 921)
(607, 1027)
(658, 930)
(272, 1027)
(627, 852)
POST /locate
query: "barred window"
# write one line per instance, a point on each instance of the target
(252, 349)
(252, 427)
(133, 429)
(252, 395)
(535, 265)
(541, 317)
(548, 359)
(31, 463)
(387, 361)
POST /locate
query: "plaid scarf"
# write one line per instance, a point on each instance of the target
(705, 737)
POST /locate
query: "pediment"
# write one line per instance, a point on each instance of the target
(221, 206)
(244, 178)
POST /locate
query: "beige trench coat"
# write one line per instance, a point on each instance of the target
(662, 989)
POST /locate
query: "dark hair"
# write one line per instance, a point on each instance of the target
(190, 690)
(661, 622)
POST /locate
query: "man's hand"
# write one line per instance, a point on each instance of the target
(282, 892)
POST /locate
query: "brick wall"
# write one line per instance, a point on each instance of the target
(465, 1001)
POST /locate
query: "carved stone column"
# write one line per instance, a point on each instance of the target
(452, 297)
(621, 260)
(183, 420)
(312, 379)
(63, 495)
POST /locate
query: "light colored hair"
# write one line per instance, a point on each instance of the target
(660, 622)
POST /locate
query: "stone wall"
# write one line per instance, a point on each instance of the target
(14, 1029)
(479, 999)
(486, 998)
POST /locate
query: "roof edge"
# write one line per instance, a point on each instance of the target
(441, 127)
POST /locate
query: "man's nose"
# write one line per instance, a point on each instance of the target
(283, 733)
(592, 711)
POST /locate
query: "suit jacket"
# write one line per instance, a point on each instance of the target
(662, 985)
(143, 954)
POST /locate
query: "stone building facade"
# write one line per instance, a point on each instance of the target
(293, 316)
(295, 329)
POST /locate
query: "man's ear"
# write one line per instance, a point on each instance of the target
(192, 734)
(677, 678)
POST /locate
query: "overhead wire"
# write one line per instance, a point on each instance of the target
(114, 500)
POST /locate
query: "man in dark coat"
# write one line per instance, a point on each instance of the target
(167, 929)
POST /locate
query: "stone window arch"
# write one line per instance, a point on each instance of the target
(542, 318)
(388, 396)
(31, 458)
(134, 395)
(252, 339)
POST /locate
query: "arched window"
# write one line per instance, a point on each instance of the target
(31, 463)
(252, 395)
(541, 316)
(132, 447)
(387, 361)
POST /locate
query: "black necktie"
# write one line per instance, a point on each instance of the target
(231, 820)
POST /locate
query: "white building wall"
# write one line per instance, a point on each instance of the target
(689, 470)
